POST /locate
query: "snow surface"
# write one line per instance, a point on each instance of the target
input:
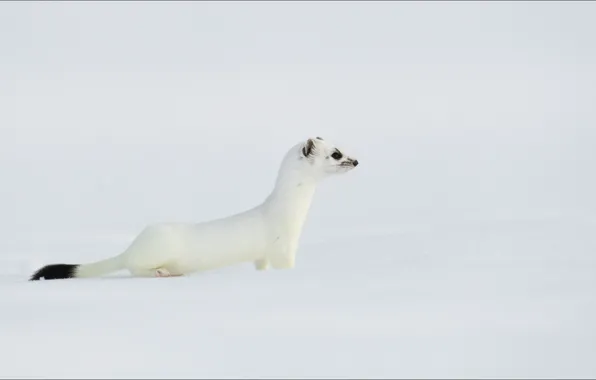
(510, 300)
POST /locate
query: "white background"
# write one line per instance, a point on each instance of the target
(464, 239)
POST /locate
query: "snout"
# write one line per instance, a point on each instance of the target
(348, 164)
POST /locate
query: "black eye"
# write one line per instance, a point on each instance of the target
(337, 155)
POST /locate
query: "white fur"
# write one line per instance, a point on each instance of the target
(266, 235)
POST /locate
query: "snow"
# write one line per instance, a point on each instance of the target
(462, 246)
(498, 301)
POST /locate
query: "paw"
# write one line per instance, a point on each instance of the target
(282, 261)
(162, 272)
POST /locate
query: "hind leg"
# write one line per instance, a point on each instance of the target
(157, 272)
(163, 272)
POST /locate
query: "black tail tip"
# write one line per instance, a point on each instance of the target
(55, 272)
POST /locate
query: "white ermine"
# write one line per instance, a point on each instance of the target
(266, 235)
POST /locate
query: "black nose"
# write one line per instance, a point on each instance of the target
(355, 162)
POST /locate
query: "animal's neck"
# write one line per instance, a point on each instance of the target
(289, 202)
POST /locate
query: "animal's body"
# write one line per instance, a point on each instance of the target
(266, 235)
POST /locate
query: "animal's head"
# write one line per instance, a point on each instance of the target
(323, 158)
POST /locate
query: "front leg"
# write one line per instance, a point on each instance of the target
(283, 256)
(261, 264)
(281, 261)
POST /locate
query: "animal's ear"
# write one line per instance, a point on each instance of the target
(308, 147)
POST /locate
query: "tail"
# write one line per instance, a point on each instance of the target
(63, 271)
